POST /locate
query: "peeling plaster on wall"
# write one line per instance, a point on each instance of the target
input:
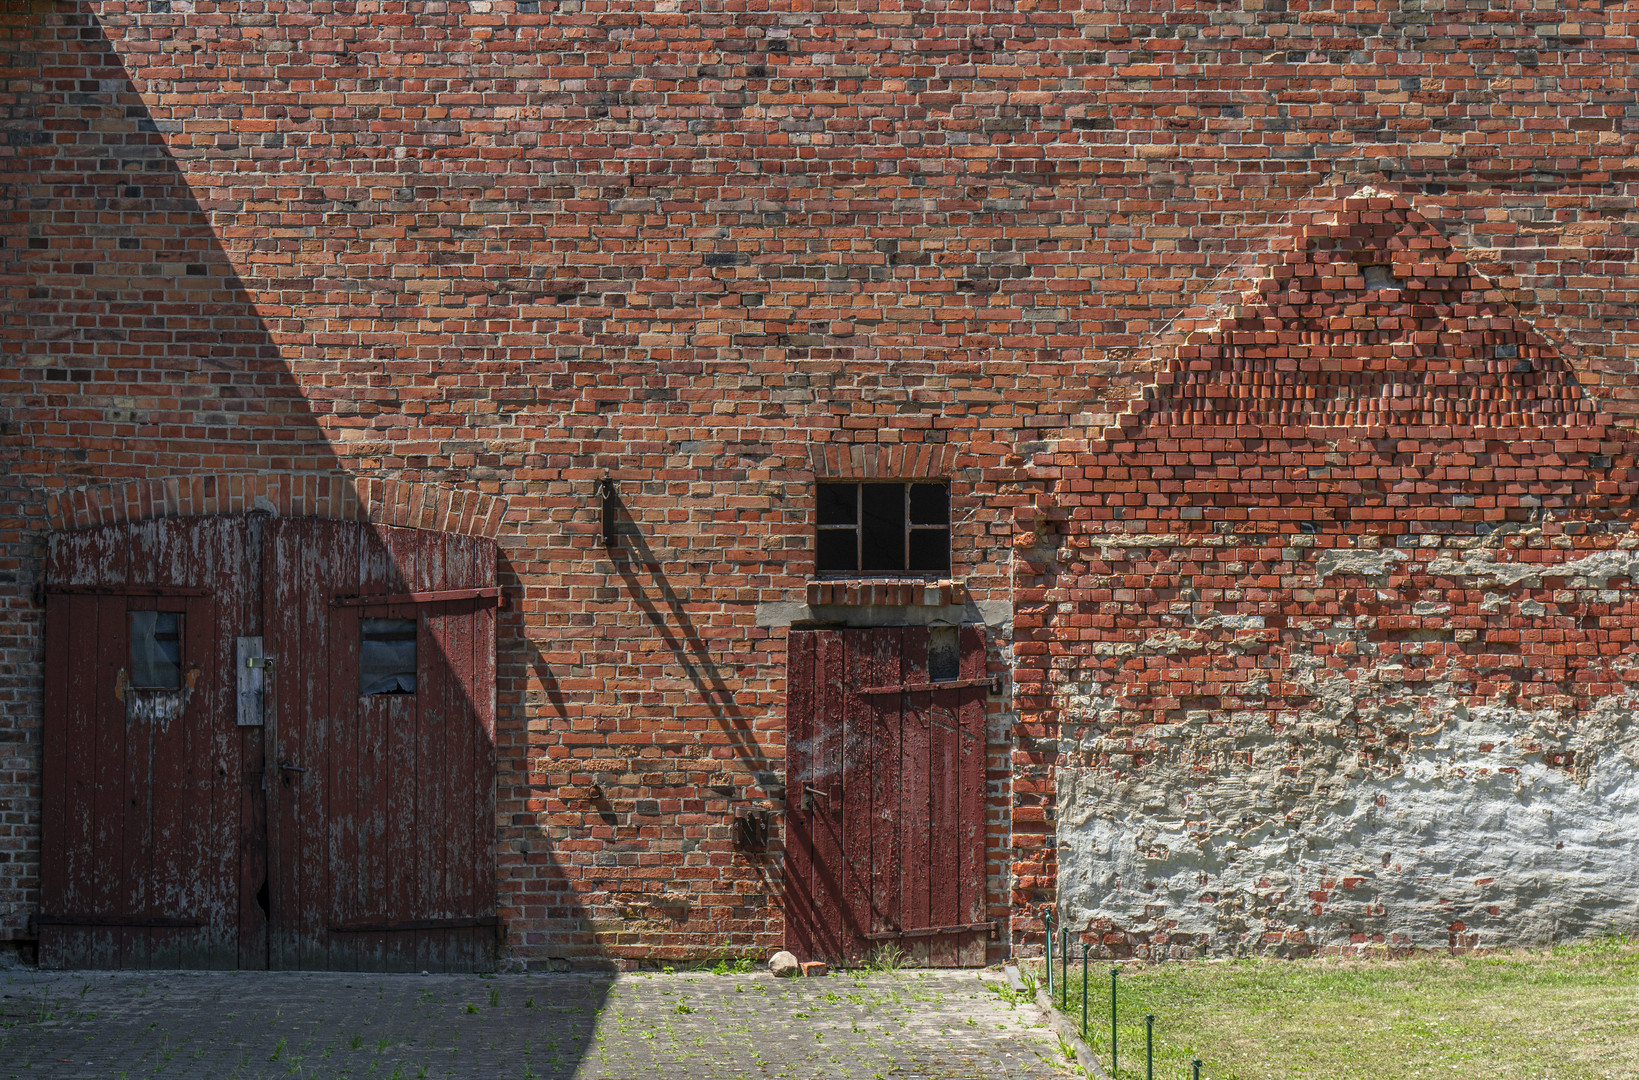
(1365, 563)
(1593, 570)
(1454, 826)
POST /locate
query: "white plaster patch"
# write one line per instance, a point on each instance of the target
(1364, 563)
(1471, 824)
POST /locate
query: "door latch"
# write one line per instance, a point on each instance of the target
(259, 662)
(808, 793)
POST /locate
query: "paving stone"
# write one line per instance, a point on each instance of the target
(217, 1025)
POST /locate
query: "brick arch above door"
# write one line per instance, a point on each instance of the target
(336, 496)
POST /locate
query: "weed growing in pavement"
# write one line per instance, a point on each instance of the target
(886, 959)
(355, 1042)
(278, 1050)
(494, 997)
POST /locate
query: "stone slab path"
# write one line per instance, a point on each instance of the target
(182, 1025)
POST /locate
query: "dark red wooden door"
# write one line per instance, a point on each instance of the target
(143, 801)
(381, 819)
(885, 770)
(350, 830)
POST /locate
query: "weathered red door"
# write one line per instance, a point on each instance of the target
(340, 819)
(885, 789)
(381, 828)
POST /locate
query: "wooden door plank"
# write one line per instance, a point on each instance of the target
(944, 784)
(281, 638)
(54, 765)
(855, 791)
(111, 894)
(479, 571)
(915, 900)
(437, 716)
(971, 842)
(886, 645)
(237, 831)
(482, 570)
(800, 930)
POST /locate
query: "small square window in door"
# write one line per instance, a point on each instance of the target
(386, 656)
(156, 649)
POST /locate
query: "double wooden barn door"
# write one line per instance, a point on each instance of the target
(885, 788)
(268, 743)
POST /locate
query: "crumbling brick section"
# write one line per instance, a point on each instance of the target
(1333, 627)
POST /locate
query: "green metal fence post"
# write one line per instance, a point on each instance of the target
(1149, 1046)
(1113, 971)
(1083, 989)
(1195, 1067)
(1064, 969)
(1049, 917)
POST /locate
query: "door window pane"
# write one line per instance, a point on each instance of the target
(156, 649)
(386, 656)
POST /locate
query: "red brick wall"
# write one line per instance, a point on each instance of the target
(504, 248)
(1366, 545)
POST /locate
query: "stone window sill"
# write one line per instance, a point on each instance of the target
(887, 592)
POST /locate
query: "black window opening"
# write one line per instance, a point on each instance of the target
(386, 656)
(882, 530)
(156, 649)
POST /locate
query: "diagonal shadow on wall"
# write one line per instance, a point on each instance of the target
(134, 351)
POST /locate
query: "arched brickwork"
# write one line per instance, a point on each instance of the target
(386, 502)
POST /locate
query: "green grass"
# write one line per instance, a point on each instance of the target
(1571, 1013)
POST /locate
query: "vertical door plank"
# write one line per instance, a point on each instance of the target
(84, 675)
(438, 716)
(481, 566)
(54, 778)
(458, 859)
(944, 785)
(886, 645)
(395, 758)
(240, 593)
(970, 815)
(800, 919)
(149, 550)
(281, 635)
(855, 791)
(109, 795)
(211, 836)
(915, 853)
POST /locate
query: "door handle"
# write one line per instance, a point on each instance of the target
(808, 793)
(287, 766)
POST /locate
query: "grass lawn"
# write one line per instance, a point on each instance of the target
(1571, 1013)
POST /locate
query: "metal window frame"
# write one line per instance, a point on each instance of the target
(858, 527)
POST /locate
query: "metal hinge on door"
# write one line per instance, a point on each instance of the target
(252, 668)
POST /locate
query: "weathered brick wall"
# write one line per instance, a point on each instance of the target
(502, 248)
(1339, 622)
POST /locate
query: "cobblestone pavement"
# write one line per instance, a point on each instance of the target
(922, 1025)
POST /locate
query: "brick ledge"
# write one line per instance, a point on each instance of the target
(889, 592)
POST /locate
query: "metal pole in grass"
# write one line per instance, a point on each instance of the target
(1195, 1069)
(1113, 971)
(1083, 989)
(1149, 1046)
(1064, 982)
(1049, 917)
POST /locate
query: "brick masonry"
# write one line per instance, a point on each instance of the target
(454, 262)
